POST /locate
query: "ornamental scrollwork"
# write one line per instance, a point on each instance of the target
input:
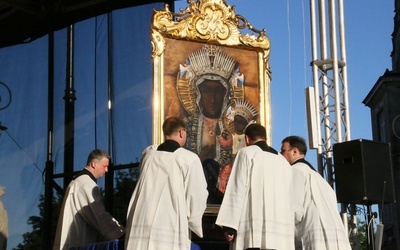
(210, 21)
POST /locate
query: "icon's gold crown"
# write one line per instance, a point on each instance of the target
(211, 60)
(245, 109)
(239, 108)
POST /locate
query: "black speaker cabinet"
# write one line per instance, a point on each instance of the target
(363, 172)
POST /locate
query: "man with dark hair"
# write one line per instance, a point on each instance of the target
(83, 218)
(317, 220)
(256, 210)
(170, 196)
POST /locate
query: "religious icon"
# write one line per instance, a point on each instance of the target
(211, 89)
(214, 78)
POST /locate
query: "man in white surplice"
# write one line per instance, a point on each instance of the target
(170, 196)
(256, 210)
(83, 218)
(317, 219)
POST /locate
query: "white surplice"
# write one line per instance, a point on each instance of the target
(83, 219)
(169, 199)
(317, 219)
(257, 201)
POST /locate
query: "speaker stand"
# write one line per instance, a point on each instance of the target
(370, 228)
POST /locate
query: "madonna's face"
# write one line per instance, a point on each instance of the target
(240, 124)
(212, 98)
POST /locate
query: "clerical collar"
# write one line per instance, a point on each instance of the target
(302, 160)
(86, 172)
(169, 146)
(264, 147)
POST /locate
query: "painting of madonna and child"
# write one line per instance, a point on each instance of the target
(215, 90)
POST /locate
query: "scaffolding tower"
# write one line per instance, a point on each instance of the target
(327, 99)
(329, 83)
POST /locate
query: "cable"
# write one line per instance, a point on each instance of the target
(16, 143)
(304, 55)
(9, 94)
(368, 230)
(290, 66)
(383, 200)
(304, 46)
(95, 83)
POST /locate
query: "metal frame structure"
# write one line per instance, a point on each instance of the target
(330, 81)
(329, 70)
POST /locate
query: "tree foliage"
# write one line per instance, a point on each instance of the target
(125, 184)
(359, 241)
(34, 240)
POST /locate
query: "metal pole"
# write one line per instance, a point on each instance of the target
(109, 177)
(336, 80)
(49, 168)
(314, 47)
(325, 94)
(343, 54)
(69, 111)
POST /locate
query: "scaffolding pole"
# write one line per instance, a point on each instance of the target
(329, 73)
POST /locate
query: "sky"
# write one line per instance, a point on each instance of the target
(368, 28)
(368, 43)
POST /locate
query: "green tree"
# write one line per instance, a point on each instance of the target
(360, 240)
(33, 240)
(125, 184)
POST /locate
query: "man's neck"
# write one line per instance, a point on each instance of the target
(296, 158)
(252, 142)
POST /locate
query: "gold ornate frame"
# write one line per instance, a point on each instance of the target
(201, 46)
(206, 22)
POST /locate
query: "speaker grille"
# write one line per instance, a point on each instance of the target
(363, 172)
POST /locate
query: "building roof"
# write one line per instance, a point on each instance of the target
(389, 78)
(22, 21)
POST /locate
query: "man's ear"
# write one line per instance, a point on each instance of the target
(181, 133)
(93, 164)
(247, 140)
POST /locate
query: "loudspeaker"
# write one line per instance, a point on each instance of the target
(363, 172)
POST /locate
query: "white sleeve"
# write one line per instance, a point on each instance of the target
(196, 196)
(299, 187)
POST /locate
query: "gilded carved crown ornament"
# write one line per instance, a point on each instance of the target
(211, 21)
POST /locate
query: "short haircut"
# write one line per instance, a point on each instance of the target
(256, 131)
(297, 142)
(97, 154)
(171, 125)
